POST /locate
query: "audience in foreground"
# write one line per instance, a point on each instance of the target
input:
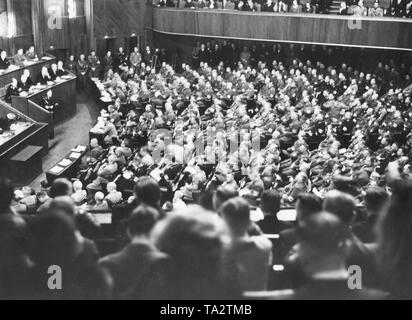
(193, 253)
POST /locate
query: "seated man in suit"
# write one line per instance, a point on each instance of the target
(60, 69)
(31, 54)
(20, 59)
(29, 81)
(4, 61)
(24, 85)
(322, 255)
(12, 90)
(44, 76)
(93, 153)
(107, 129)
(48, 102)
(53, 72)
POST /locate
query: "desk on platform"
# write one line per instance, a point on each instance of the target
(27, 143)
(385, 32)
(64, 93)
(68, 166)
(33, 66)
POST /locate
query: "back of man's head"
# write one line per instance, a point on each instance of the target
(194, 239)
(376, 200)
(322, 233)
(223, 194)
(142, 220)
(308, 204)
(270, 202)
(60, 188)
(236, 213)
(341, 204)
(53, 238)
(147, 191)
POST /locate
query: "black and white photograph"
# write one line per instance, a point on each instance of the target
(231, 152)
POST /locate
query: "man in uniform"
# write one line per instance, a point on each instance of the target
(135, 58)
(94, 63)
(20, 59)
(82, 68)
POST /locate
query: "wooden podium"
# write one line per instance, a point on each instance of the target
(27, 164)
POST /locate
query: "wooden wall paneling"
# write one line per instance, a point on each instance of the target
(22, 16)
(39, 25)
(118, 18)
(3, 19)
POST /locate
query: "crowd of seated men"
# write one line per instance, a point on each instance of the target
(20, 59)
(296, 126)
(256, 135)
(197, 253)
(27, 84)
(401, 8)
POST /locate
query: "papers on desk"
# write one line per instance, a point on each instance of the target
(65, 163)
(75, 155)
(56, 170)
(23, 94)
(156, 174)
(46, 58)
(79, 149)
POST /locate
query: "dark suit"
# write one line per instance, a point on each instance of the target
(129, 266)
(53, 75)
(61, 73)
(271, 225)
(24, 86)
(358, 254)
(4, 64)
(11, 91)
(43, 80)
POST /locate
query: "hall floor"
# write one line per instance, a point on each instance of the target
(72, 132)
